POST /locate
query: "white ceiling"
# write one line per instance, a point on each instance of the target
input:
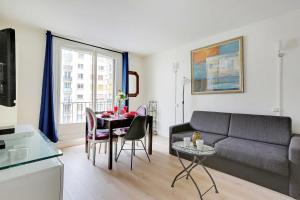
(141, 26)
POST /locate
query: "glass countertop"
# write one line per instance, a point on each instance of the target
(26, 147)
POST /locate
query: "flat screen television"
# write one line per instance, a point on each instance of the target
(7, 67)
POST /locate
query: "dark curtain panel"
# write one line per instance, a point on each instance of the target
(125, 79)
(47, 123)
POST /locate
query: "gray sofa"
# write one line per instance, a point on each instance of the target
(257, 148)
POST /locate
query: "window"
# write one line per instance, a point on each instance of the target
(67, 98)
(67, 118)
(67, 75)
(101, 68)
(100, 77)
(67, 108)
(81, 56)
(80, 108)
(100, 88)
(80, 112)
(67, 84)
(67, 58)
(68, 67)
(80, 76)
(80, 66)
(80, 86)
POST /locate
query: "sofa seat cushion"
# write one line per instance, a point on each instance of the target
(209, 138)
(270, 157)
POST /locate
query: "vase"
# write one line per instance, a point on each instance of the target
(120, 104)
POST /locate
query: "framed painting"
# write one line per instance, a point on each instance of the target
(218, 68)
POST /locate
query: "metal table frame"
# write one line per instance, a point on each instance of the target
(197, 160)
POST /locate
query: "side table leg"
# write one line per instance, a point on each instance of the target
(188, 173)
(210, 176)
(186, 169)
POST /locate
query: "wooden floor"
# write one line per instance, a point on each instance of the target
(83, 181)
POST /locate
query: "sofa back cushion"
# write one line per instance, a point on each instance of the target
(212, 122)
(270, 129)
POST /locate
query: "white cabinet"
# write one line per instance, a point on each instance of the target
(30, 168)
(41, 180)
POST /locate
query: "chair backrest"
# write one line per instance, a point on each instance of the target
(91, 121)
(137, 129)
(142, 110)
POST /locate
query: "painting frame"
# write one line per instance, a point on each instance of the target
(240, 58)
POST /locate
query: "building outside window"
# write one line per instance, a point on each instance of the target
(80, 86)
(67, 84)
(81, 56)
(80, 96)
(77, 88)
(80, 66)
(80, 76)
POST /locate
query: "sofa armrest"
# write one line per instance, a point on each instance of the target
(294, 158)
(294, 149)
(177, 129)
(180, 128)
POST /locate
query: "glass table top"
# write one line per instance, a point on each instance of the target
(26, 147)
(191, 149)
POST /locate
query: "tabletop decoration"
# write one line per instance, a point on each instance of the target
(196, 136)
(120, 100)
(131, 114)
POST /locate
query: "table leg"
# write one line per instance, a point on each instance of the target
(181, 172)
(210, 176)
(150, 134)
(110, 153)
(187, 176)
(188, 171)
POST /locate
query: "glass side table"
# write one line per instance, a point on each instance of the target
(199, 157)
(26, 147)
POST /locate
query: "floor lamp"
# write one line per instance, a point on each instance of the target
(175, 70)
(185, 81)
(280, 55)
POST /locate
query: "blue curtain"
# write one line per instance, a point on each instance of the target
(47, 123)
(125, 79)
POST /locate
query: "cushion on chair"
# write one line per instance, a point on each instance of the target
(101, 134)
(270, 129)
(121, 132)
(125, 129)
(209, 138)
(270, 157)
(211, 122)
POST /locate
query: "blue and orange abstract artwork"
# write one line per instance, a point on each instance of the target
(218, 68)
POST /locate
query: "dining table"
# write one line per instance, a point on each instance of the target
(114, 122)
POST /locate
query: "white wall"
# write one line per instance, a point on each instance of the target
(30, 48)
(260, 42)
(136, 63)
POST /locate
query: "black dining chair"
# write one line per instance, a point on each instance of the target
(142, 111)
(136, 132)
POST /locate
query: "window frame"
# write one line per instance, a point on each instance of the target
(60, 44)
